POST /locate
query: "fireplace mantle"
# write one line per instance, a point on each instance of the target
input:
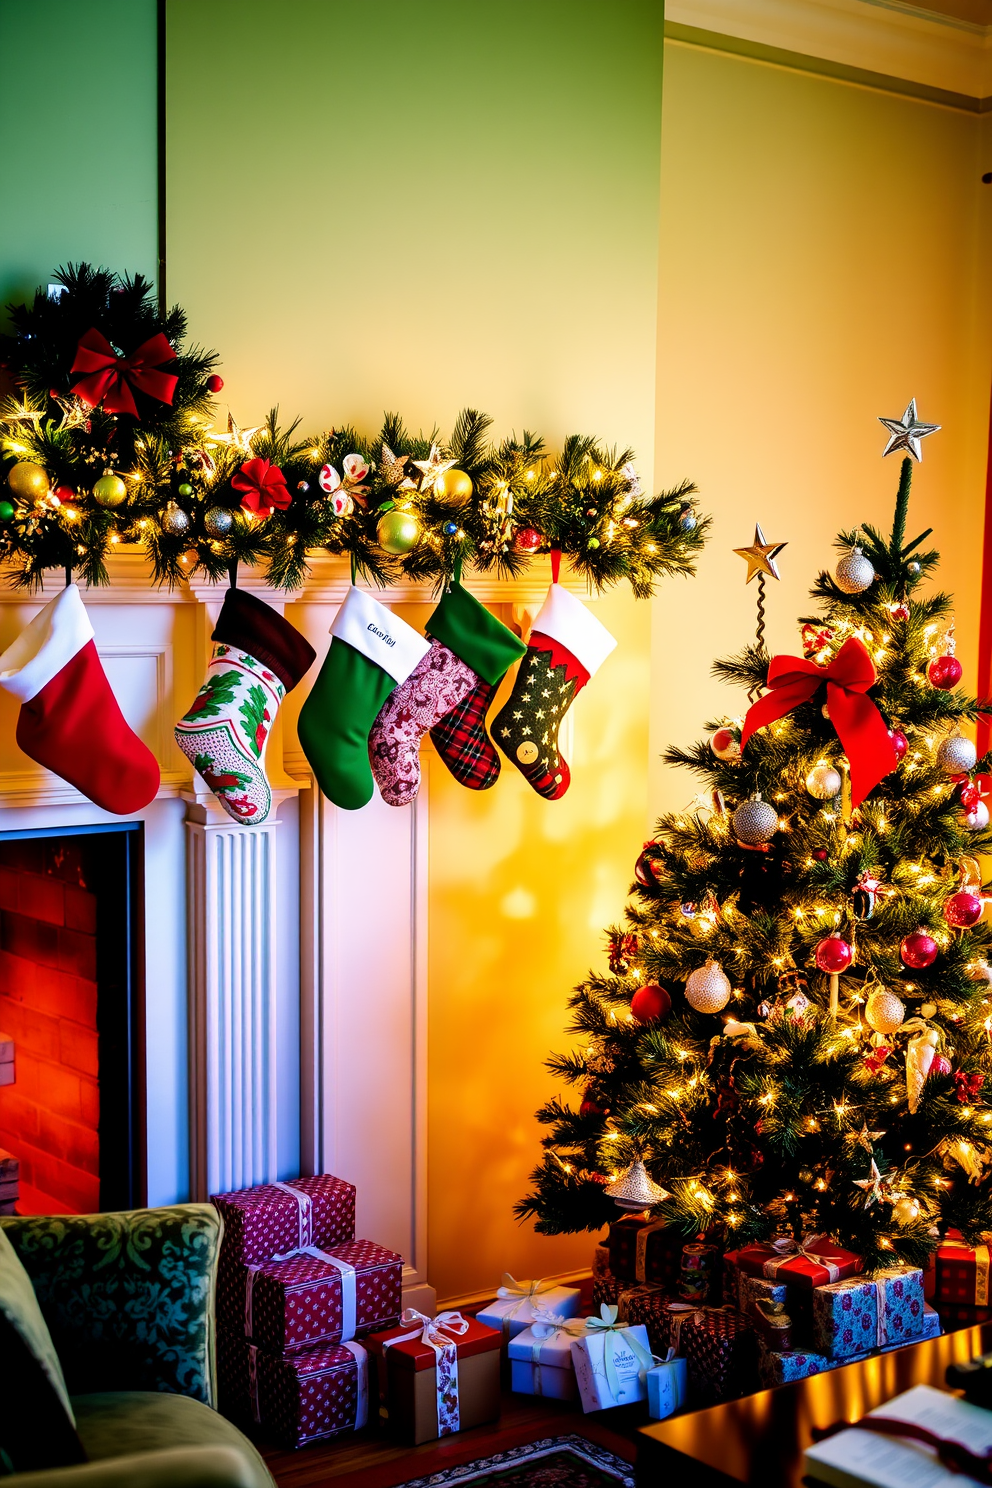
(264, 1002)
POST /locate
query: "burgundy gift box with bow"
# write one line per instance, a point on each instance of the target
(275, 1218)
(309, 1396)
(313, 1296)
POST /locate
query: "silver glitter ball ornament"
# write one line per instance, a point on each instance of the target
(218, 521)
(956, 755)
(635, 1189)
(755, 822)
(174, 520)
(707, 988)
(854, 574)
(823, 782)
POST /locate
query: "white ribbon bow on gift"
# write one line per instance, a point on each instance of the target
(606, 1324)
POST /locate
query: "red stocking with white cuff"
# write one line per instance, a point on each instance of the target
(69, 720)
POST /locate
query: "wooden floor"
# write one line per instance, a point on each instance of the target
(369, 1459)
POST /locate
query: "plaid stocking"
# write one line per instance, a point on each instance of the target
(462, 742)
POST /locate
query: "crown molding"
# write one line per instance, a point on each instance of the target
(875, 43)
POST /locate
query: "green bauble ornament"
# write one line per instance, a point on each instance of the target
(185, 489)
(28, 480)
(398, 532)
(593, 542)
(109, 490)
(6, 510)
(217, 521)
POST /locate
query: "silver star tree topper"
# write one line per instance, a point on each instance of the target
(906, 433)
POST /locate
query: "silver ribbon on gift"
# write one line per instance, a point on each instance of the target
(346, 1271)
(304, 1207)
(518, 1293)
(607, 1324)
(546, 1325)
(437, 1333)
(361, 1381)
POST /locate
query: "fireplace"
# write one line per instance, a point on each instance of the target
(71, 1090)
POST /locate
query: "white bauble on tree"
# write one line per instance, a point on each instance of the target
(977, 819)
(823, 782)
(957, 755)
(884, 1012)
(707, 988)
(854, 574)
(755, 821)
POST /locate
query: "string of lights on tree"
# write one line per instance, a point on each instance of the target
(795, 1032)
(109, 439)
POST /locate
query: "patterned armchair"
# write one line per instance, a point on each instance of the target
(128, 1299)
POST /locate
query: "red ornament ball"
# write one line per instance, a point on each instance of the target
(969, 795)
(527, 539)
(819, 854)
(650, 1002)
(940, 1065)
(963, 910)
(945, 672)
(900, 612)
(726, 745)
(833, 955)
(214, 383)
(589, 1107)
(64, 493)
(899, 743)
(918, 950)
(643, 870)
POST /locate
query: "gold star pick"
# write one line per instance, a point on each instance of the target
(432, 468)
(875, 1187)
(20, 413)
(761, 556)
(864, 1138)
(392, 469)
(238, 439)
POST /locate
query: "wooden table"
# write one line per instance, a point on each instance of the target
(760, 1439)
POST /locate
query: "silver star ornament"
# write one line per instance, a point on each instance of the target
(906, 433)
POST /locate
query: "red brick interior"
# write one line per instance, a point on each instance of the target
(49, 1117)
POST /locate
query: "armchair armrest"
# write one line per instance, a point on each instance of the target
(176, 1467)
(128, 1297)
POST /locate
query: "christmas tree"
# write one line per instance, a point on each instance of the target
(795, 1033)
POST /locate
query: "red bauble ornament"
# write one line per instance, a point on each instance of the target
(820, 854)
(940, 1065)
(527, 539)
(963, 910)
(650, 1002)
(64, 493)
(918, 950)
(899, 743)
(726, 745)
(589, 1107)
(833, 955)
(900, 612)
(945, 672)
(214, 383)
(643, 869)
(969, 795)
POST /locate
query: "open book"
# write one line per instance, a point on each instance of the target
(860, 1459)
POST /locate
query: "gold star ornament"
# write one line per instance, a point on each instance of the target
(761, 556)
(432, 468)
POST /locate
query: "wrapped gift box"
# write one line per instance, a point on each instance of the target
(541, 1360)
(961, 1273)
(316, 1297)
(754, 1287)
(648, 1305)
(783, 1368)
(854, 1315)
(645, 1250)
(610, 1366)
(601, 1261)
(609, 1289)
(954, 1318)
(719, 1349)
(305, 1397)
(278, 1217)
(512, 1314)
(667, 1386)
(822, 1262)
(421, 1395)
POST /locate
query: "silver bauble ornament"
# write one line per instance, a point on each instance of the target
(635, 1189)
(884, 1012)
(957, 755)
(174, 520)
(913, 567)
(218, 521)
(823, 782)
(707, 988)
(854, 574)
(755, 822)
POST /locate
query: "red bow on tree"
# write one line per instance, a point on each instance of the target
(873, 1062)
(969, 1087)
(264, 487)
(860, 727)
(110, 378)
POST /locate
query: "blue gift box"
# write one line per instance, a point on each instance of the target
(667, 1384)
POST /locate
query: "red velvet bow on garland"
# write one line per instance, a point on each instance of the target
(860, 727)
(110, 378)
(968, 1087)
(264, 487)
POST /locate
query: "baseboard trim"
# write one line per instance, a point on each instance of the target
(758, 51)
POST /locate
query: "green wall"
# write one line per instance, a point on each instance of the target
(78, 121)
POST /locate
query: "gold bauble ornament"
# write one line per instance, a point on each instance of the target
(109, 490)
(454, 486)
(398, 532)
(884, 1011)
(28, 480)
(905, 1211)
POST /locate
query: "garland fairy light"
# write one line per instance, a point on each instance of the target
(109, 440)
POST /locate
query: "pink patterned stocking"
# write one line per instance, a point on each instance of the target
(436, 685)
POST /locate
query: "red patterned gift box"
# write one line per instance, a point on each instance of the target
(962, 1273)
(278, 1217)
(305, 1397)
(645, 1250)
(608, 1289)
(318, 1296)
(954, 1317)
(815, 1263)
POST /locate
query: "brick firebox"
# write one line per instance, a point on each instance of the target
(50, 1116)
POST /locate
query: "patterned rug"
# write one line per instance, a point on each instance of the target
(554, 1462)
